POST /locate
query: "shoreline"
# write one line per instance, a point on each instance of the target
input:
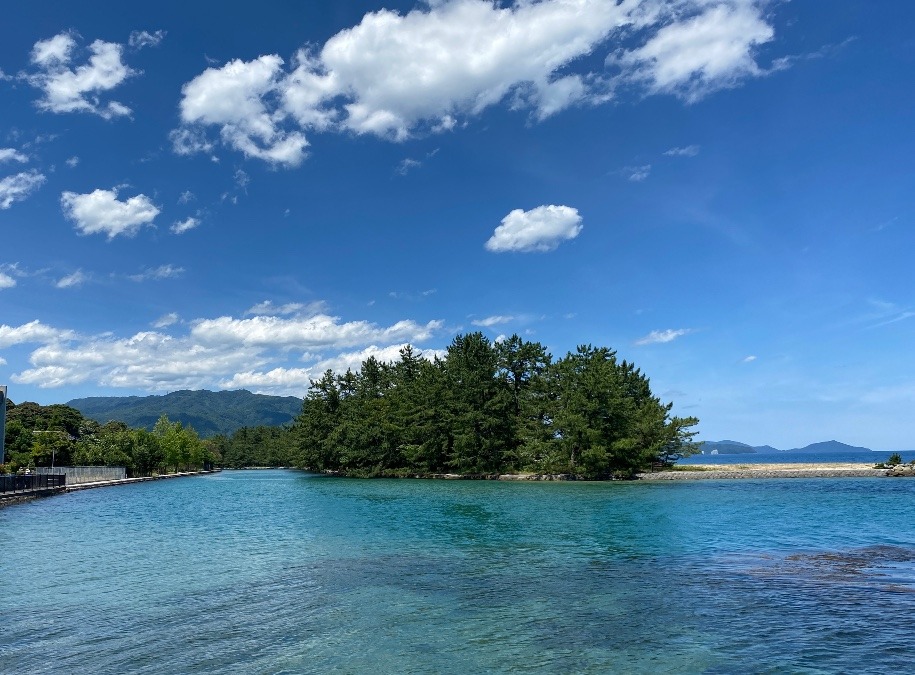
(784, 470)
(12, 498)
(140, 479)
(687, 472)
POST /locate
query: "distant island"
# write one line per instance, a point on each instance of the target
(738, 448)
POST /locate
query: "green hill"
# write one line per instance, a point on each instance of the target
(208, 412)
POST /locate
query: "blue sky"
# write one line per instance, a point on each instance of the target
(226, 195)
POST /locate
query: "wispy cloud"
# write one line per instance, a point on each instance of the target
(412, 295)
(19, 186)
(12, 155)
(636, 174)
(166, 320)
(885, 313)
(685, 151)
(141, 38)
(182, 226)
(491, 321)
(663, 336)
(77, 278)
(6, 281)
(696, 55)
(268, 308)
(157, 273)
(406, 164)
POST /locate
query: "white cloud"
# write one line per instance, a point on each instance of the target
(12, 155)
(53, 51)
(663, 336)
(166, 320)
(186, 197)
(6, 281)
(189, 141)
(685, 151)
(425, 68)
(67, 89)
(141, 38)
(297, 380)
(100, 212)
(32, 332)
(539, 230)
(309, 332)
(285, 379)
(491, 321)
(233, 98)
(427, 71)
(353, 360)
(182, 226)
(72, 280)
(157, 273)
(221, 352)
(2, 360)
(72, 162)
(17, 187)
(749, 359)
(147, 360)
(695, 56)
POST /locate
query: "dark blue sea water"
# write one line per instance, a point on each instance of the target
(281, 572)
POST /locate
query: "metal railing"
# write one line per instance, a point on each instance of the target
(30, 482)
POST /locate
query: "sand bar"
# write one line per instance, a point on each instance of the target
(781, 470)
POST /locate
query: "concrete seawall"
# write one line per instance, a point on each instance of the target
(130, 481)
(10, 498)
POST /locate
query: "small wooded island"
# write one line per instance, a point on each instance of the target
(490, 407)
(482, 408)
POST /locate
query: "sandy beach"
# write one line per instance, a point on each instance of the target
(781, 470)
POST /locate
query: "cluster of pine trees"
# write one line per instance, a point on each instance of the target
(58, 435)
(488, 408)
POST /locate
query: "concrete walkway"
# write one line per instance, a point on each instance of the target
(128, 481)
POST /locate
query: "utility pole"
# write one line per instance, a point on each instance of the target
(2, 423)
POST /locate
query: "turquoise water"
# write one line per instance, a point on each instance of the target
(281, 572)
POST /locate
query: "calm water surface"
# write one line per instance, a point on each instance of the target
(281, 572)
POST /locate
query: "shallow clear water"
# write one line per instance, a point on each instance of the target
(281, 572)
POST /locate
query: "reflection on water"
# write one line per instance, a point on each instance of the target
(281, 572)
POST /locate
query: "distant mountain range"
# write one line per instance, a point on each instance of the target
(738, 448)
(208, 412)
